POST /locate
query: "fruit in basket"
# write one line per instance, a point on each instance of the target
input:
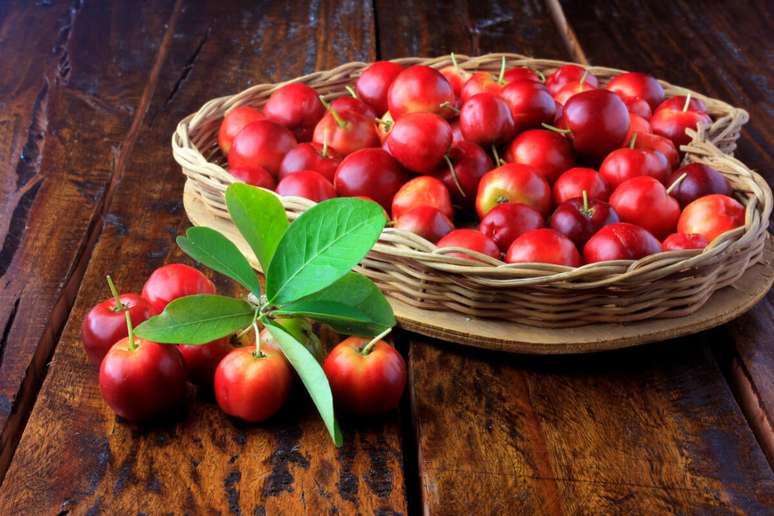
(531, 104)
(374, 83)
(513, 182)
(645, 201)
(350, 103)
(520, 73)
(637, 125)
(628, 162)
(256, 176)
(310, 156)
(419, 141)
(660, 144)
(543, 245)
(700, 180)
(366, 378)
(420, 88)
(597, 122)
(172, 281)
(456, 131)
(469, 239)
(201, 361)
(469, 162)
(371, 173)
(307, 184)
(252, 386)
(426, 221)
(579, 219)
(639, 107)
(711, 216)
(481, 82)
(260, 144)
(573, 182)
(455, 75)
(234, 121)
(486, 119)
(571, 89)
(505, 222)
(345, 131)
(297, 107)
(422, 191)
(677, 241)
(636, 85)
(384, 126)
(677, 114)
(548, 152)
(620, 241)
(566, 74)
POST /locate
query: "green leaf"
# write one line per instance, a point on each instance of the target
(321, 246)
(353, 305)
(217, 252)
(312, 375)
(197, 319)
(260, 218)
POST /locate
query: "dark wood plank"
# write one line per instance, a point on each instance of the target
(724, 50)
(74, 455)
(71, 97)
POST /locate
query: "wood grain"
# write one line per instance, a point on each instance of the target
(74, 455)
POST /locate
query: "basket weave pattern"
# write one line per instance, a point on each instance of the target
(415, 271)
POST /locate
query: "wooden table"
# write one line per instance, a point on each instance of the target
(90, 93)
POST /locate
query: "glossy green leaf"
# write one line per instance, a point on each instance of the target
(312, 376)
(353, 305)
(197, 319)
(321, 246)
(208, 246)
(260, 218)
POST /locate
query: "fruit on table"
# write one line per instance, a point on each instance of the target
(470, 239)
(366, 378)
(252, 386)
(677, 114)
(462, 170)
(301, 330)
(345, 131)
(374, 83)
(711, 216)
(200, 361)
(548, 152)
(426, 221)
(297, 107)
(531, 104)
(419, 141)
(636, 85)
(260, 144)
(234, 121)
(700, 180)
(566, 74)
(105, 324)
(420, 88)
(513, 182)
(307, 184)
(677, 241)
(544, 245)
(620, 241)
(172, 281)
(573, 182)
(310, 156)
(422, 191)
(644, 201)
(372, 173)
(486, 119)
(256, 176)
(140, 379)
(505, 222)
(597, 122)
(654, 142)
(578, 219)
(627, 163)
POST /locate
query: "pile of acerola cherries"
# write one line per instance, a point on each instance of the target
(141, 380)
(512, 165)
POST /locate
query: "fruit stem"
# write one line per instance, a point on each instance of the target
(501, 77)
(257, 353)
(324, 152)
(676, 183)
(448, 105)
(687, 102)
(384, 123)
(583, 78)
(540, 74)
(454, 175)
(119, 305)
(585, 200)
(339, 121)
(351, 91)
(368, 347)
(555, 129)
(130, 329)
(633, 140)
(454, 61)
(498, 161)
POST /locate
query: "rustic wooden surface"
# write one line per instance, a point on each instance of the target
(89, 96)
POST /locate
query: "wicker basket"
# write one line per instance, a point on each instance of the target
(409, 268)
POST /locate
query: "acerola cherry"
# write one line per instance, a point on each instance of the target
(419, 141)
(200, 361)
(671, 120)
(257, 176)
(530, 103)
(455, 75)
(520, 73)
(365, 378)
(374, 83)
(700, 180)
(470, 239)
(636, 85)
(345, 132)
(469, 162)
(310, 156)
(568, 73)
(711, 216)
(172, 281)
(422, 191)
(543, 245)
(420, 88)
(573, 182)
(597, 121)
(638, 107)
(372, 173)
(384, 126)
(456, 131)
(571, 89)
(252, 386)
(659, 144)
(234, 121)
(637, 125)
(297, 107)
(644, 201)
(626, 163)
(427, 222)
(579, 219)
(260, 144)
(513, 182)
(548, 152)
(307, 184)
(505, 222)
(486, 119)
(351, 103)
(677, 241)
(620, 241)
